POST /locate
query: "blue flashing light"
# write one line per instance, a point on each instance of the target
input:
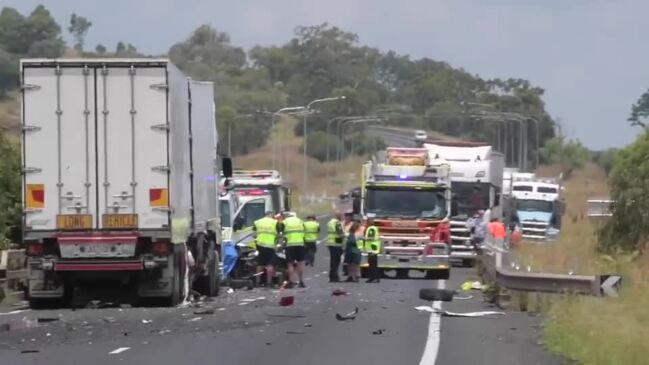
(403, 176)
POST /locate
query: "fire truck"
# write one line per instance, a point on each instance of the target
(409, 197)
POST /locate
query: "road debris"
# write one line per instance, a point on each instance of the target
(47, 320)
(119, 350)
(204, 312)
(147, 321)
(195, 319)
(230, 291)
(14, 312)
(462, 298)
(339, 292)
(108, 320)
(472, 285)
(286, 301)
(279, 315)
(295, 332)
(29, 351)
(347, 317)
(434, 294)
(379, 332)
(454, 314)
(308, 325)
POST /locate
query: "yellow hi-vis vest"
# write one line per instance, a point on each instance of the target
(266, 229)
(333, 234)
(311, 231)
(372, 240)
(294, 231)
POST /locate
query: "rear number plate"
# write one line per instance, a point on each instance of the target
(73, 221)
(120, 221)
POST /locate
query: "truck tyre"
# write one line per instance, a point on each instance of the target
(403, 274)
(365, 272)
(176, 286)
(467, 263)
(213, 276)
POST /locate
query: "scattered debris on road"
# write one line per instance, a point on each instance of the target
(14, 312)
(454, 314)
(147, 321)
(338, 292)
(286, 301)
(347, 317)
(29, 351)
(308, 325)
(472, 285)
(204, 312)
(47, 320)
(195, 319)
(379, 332)
(119, 350)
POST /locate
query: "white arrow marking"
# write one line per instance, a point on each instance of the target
(608, 286)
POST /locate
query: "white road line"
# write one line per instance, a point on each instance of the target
(432, 343)
(119, 350)
(14, 312)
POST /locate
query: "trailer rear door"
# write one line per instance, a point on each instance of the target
(95, 146)
(59, 148)
(132, 147)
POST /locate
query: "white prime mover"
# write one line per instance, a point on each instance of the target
(120, 176)
(476, 182)
(266, 185)
(538, 206)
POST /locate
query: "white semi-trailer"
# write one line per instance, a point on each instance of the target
(120, 174)
(476, 183)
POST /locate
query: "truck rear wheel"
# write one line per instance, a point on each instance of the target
(176, 282)
(213, 277)
(365, 272)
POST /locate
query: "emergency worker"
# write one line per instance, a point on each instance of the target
(311, 233)
(295, 250)
(352, 254)
(266, 239)
(373, 249)
(335, 237)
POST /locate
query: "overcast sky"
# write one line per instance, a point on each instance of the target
(591, 56)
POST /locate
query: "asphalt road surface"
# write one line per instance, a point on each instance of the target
(249, 327)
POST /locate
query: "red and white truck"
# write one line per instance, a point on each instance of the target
(120, 174)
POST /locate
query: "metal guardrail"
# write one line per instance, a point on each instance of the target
(597, 285)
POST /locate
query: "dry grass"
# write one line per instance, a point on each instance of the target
(575, 248)
(592, 330)
(10, 116)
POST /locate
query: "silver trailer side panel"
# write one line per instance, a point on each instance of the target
(179, 158)
(204, 156)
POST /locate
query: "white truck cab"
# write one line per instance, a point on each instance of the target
(476, 182)
(538, 207)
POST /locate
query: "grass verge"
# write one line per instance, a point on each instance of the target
(592, 330)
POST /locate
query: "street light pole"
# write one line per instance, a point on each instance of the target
(351, 122)
(309, 109)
